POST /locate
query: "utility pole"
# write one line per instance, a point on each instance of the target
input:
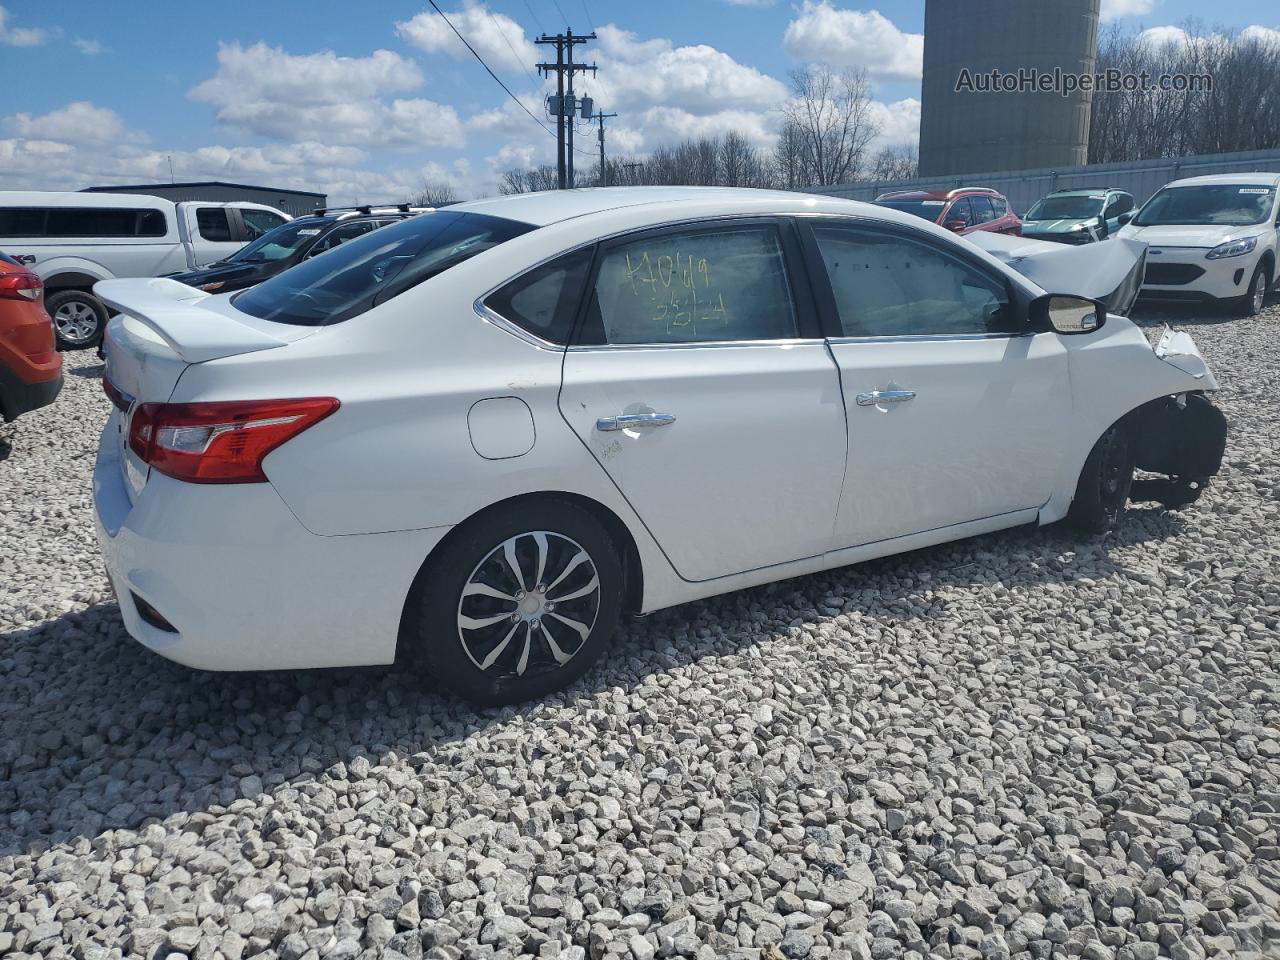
(565, 106)
(631, 169)
(601, 117)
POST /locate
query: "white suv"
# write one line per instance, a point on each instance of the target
(73, 240)
(1211, 239)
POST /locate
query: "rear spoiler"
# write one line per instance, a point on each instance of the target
(173, 310)
(1108, 270)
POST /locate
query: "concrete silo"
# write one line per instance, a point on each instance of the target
(967, 131)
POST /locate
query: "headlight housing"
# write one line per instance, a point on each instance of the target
(1232, 248)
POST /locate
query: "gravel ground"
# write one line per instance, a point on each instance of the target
(1017, 746)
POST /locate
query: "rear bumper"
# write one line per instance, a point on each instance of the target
(243, 583)
(18, 397)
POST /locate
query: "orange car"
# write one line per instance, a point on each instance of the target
(30, 366)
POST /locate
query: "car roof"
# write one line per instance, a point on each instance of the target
(554, 206)
(1228, 178)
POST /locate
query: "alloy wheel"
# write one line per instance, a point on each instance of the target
(76, 322)
(1259, 291)
(529, 605)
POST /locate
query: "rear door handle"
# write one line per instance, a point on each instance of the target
(873, 398)
(628, 420)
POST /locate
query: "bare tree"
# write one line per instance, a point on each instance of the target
(901, 162)
(1239, 111)
(531, 180)
(831, 117)
(434, 195)
(786, 160)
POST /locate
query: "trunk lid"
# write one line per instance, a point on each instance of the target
(163, 328)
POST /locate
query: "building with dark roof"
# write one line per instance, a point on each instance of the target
(293, 202)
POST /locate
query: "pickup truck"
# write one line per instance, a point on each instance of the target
(73, 240)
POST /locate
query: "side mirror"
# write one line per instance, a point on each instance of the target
(1066, 314)
(1124, 218)
(955, 225)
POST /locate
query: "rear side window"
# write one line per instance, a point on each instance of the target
(999, 207)
(545, 300)
(708, 285)
(81, 222)
(372, 269)
(982, 209)
(213, 224)
(340, 235)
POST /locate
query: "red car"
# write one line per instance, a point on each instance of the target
(964, 209)
(30, 366)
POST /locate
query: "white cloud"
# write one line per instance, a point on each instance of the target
(325, 97)
(1265, 35)
(88, 47)
(1163, 36)
(495, 36)
(1115, 9)
(821, 33)
(78, 121)
(21, 36)
(639, 74)
(899, 123)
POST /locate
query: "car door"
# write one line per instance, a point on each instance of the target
(954, 413)
(700, 382)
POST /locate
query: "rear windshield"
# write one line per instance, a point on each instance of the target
(929, 209)
(362, 273)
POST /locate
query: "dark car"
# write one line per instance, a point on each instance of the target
(290, 243)
(962, 210)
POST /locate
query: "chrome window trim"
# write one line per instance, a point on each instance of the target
(698, 344)
(514, 329)
(930, 337)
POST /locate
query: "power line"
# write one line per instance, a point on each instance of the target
(588, 13)
(561, 12)
(502, 33)
(496, 78)
(536, 19)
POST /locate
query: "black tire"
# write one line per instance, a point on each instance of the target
(82, 320)
(1105, 481)
(483, 664)
(1251, 304)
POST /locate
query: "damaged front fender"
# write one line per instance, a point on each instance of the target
(1182, 437)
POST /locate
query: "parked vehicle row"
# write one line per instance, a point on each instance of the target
(1212, 239)
(484, 434)
(73, 240)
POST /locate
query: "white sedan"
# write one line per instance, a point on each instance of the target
(486, 433)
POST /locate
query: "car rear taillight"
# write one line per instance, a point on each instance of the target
(20, 286)
(222, 442)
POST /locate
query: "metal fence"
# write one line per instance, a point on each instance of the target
(1024, 187)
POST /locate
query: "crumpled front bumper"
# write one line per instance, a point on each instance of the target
(1182, 437)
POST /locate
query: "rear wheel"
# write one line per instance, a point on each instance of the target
(518, 604)
(79, 318)
(1251, 304)
(1105, 481)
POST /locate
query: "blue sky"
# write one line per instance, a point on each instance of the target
(368, 101)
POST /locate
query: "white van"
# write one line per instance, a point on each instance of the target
(73, 240)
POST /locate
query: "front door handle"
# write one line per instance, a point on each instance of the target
(628, 420)
(874, 398)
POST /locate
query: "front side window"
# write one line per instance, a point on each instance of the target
(340, 235)
(545, 300)
(372, 269)
(1122, 203)
(258, 222)
(213, 224)
(960, 211)
(1232, 205)
(888, 285)
(705, 285)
